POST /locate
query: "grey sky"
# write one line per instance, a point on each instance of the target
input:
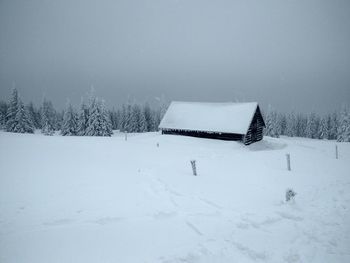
(293, 54)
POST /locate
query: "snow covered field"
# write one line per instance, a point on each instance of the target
(84, 199)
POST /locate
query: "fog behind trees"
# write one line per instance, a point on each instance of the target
(293, 55)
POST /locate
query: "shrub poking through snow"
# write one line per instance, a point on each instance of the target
(290, 194)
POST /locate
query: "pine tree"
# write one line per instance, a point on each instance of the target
(135, 118)
(47, 118)
(271, 123)
(128, 117)
(303, 125)
(312, 126)
(99, 123)
(34, 114)
(317, 127)
(3, 113)
(83, 118)
(69, 124)
(282, 123)
(299, 125)
(147, 112)
(329, 126)
(323, 129)
(119, 120)
(58, 120)
(142, 121)
(291, 127)
(106, 121)
(122, 118)
(334, 126)
(12, 111)
(113, 115)
(23, 123)
(344, 125)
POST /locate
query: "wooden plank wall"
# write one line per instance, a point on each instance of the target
(250, 137)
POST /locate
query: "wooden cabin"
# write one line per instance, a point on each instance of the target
(224, 121)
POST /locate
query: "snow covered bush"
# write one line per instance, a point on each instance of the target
(290, 194)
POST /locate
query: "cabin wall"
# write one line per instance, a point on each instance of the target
(220, 136)
(256, 129)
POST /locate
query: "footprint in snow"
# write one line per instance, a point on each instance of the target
(107, 220)
(59, 222)
(210, 203)
(290, 216)
(194, 229)
(164, 215)
(252, 254)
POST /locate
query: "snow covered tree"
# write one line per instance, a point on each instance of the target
(328, 119)
(271, 122)
(303, 125)
(23, 123)
(58, 120)
(333, 134)
(137, 121)
(126, 118)
(69, 125)
(122, 118)
(317, 124)
(142, 125)
(344, 125)
(282, 123)
(18, 119)
(147, 112)
(12, 111)
(47, 118)
(323, 129)
(113, 115)
(83, 118)
(290, 126)
(135, 118)
(312, 126)
(3, 113)
(34, 114)
(99, 123)
(299, 125)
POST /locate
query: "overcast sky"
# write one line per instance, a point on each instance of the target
(292, 54)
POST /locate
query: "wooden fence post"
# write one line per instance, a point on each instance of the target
(194, 170)
(336, 151)
(288, 161)
(126, 136)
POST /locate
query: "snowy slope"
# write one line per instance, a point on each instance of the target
(84, 199)
(211, 117)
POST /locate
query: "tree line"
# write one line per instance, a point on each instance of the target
(92, 118)
(333, 126)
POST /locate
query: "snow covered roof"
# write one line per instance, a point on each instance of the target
(210, 117)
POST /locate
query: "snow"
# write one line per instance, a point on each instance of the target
(210, 117)
(104, 199)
